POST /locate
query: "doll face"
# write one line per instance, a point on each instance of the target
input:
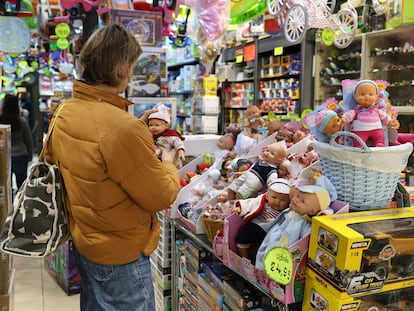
(282, 171)
(277, 201)
(284, 134)
(274, 154)
(222, 197)
(366, 94)
(335, 124)
(304, 203)
(226, 142)
(157, 126)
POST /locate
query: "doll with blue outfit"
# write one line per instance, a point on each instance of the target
(294, 223)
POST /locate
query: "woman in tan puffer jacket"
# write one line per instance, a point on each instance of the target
(114, 182)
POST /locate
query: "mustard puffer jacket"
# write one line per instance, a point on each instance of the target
(114, 182)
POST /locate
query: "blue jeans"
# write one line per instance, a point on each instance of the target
(115, 287)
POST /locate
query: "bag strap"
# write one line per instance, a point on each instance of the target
(49, 132)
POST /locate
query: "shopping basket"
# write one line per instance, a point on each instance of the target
(364, 177)
(213, 226)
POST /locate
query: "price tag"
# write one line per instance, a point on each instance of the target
(278, 265)
(62, 30)
(278, 51)
(239, 59)
(327, 36)
(62, 43)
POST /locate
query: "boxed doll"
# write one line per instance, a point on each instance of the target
(362, 251)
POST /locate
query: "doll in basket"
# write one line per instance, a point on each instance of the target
(367, 120)
(165, 138)
(256, 178)
(294, 223)
(259, 211)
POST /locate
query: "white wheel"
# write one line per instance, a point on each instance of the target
(326, 6)
(274, 7)
(346, 27)
(296, 23)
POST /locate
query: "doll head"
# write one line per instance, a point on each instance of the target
(328, 122)
(254, 119)
(274, 154)
(222, 197)
(273, 126)
(159, 121)
(366, 93)
(284, 169)
(309, 199)
(298, 136)
(278, 194)
(226, 142)
(284, 134)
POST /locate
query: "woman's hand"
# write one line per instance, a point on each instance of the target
(147, 113)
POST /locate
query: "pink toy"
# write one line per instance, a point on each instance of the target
(367, 120)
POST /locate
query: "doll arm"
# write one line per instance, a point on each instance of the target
(181, 154)
(388, 120)
(348, 116)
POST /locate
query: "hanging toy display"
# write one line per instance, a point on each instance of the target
(179, 37)
(15, 33)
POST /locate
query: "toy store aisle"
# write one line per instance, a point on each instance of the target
(35, 290)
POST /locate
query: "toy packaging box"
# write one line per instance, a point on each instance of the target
(361, 251)
(286, 294)
(144, 25)
(321, 295)
(62, 268)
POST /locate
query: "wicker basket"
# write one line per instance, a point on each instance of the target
(366, 178)
(212, 226)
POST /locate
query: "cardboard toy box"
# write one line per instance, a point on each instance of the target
(144, 25)
(321, 295)
(5, 172)
(361, 251)
(286, 294)
(62, 268)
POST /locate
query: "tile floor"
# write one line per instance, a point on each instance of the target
(35, 290)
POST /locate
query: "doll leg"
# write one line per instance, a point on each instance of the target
(364, 135)
(377, 137)
(243, 250)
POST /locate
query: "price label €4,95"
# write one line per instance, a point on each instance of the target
(278, 265)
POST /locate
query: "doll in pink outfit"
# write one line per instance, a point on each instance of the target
(367, 120)
(165, 138)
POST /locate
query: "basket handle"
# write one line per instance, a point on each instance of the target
(364, 148)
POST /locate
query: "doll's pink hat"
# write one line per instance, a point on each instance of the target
(322, 118)
(163, 113)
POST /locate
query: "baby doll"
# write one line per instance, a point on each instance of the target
(221, 209)
(165, 138)
(255, 179)
(285, 135)
(224, 146)
(258, 211)
(273, 126)
(249, 137)
(328, 122)
(367, 120)
(294, 223)
(298, 136)
(284, 170)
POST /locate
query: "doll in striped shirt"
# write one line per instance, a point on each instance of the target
(256, 213)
